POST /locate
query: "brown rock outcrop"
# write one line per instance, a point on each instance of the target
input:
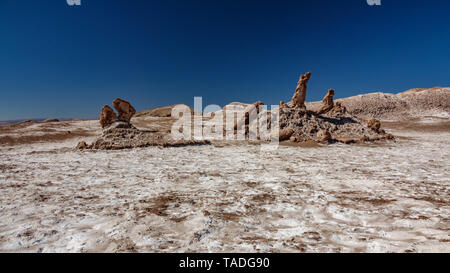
(327, 103)
(82, 145)
(338, 109)
(298, 100)
(119, 133)
(286, 134)
(307, 125)
(374, 124)
(388, 136)
(107, 116)
(323, 135)
(124, 109)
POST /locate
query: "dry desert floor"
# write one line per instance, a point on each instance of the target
(232, 197)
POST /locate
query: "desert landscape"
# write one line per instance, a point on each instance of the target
(368, 173)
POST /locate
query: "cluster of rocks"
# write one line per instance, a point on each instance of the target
(330, 123)
(299, 125)
(118, 132)
(124, 110)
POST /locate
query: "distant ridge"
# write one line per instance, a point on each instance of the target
(15, 121)
(5, 122)
(163, 111)
(411, 103)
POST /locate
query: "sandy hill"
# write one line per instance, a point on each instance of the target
(411, 103)
(161, 112)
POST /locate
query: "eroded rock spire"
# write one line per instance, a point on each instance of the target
(107, 116)
(327, 103)
(298, 100)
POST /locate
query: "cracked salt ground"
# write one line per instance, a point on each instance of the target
(339, 198)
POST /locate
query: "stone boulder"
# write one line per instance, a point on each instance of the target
(374, 124)
(107, 116)
(323, 136)
(82, 145)
(124, 109)
(338, 110)
(327, 103)
(286, 134)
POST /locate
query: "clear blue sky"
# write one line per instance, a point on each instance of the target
(63, 61)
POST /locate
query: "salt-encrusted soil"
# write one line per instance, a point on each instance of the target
(392, 196)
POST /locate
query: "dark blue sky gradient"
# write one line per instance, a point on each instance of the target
(63, 61)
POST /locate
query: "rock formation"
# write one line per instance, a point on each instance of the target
(82, 145)
(286, 134)
(119, 133)
(374, 124)
(338, 109)
(323, 136)
(331, 123)
(107, 116)
(298, 100)
(327, 103)
(307, 125)
(124, 109)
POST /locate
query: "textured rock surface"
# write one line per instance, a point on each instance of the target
(374, 124)
(327, 103)
(286, 133)
(82, 145)
(118, 133)
(298, 100)
(323, 135)
(308, 125)
(124, 109)
(107, 116)
(338, 110)
(120, 136)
